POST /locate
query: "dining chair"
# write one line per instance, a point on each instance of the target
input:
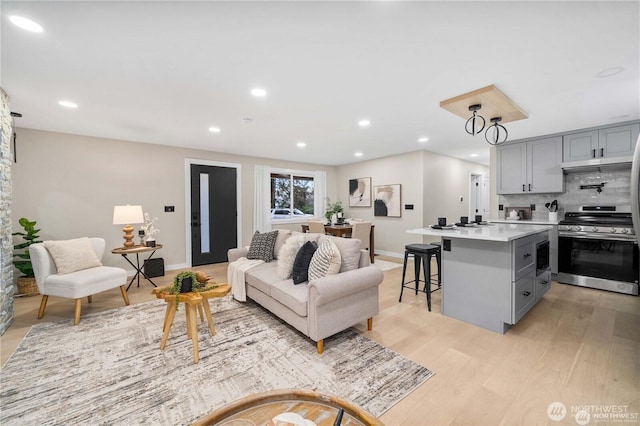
(316, 227)
(361, 231)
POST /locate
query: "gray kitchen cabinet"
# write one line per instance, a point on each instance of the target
(610, 142)
(532, 167)
(511, 168)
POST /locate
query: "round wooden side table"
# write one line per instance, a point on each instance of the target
(261, 408)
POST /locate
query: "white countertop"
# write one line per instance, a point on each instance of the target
(526, 222)
(491, 232)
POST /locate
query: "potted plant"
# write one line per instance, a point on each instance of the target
(188, 281)
(333, 208)
(27, 282)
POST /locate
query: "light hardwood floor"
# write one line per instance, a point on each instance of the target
(577, 346)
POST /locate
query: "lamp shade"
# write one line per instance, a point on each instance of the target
(125, 215)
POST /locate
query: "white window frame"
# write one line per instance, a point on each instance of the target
(302, 173)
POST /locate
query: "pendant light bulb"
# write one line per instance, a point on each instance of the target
(475, 121)
(496, 133)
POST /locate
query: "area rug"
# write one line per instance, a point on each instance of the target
(109, 369)
(386, 266)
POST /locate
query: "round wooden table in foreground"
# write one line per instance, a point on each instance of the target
(260, 408)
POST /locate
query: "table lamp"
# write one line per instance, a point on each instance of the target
(126, 215)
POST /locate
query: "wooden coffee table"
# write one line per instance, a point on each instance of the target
(192, 301)
(260, 408)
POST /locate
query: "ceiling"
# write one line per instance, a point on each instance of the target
(164, 72)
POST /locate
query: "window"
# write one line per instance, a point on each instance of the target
(292, 196)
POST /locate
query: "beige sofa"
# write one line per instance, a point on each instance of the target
(321, 307)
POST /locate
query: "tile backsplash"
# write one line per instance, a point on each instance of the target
(616, 192)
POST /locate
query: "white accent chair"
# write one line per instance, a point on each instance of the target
(75, 285)
(362, 231)
(316, 227)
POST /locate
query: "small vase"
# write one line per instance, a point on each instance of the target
(151, 242)
(186, 285)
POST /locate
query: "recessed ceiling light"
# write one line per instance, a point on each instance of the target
(364, 123)
(26, 24)
(258, 92)
(609, 72)
(358, 154)
(474, 155)
(301, 144)
(423, 140)
(68, 104)
(214, 129)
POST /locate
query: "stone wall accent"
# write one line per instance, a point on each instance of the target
(616, 192)
(7, 286)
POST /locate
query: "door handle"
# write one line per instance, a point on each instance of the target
(601, 152)
(593, 154)
(529, 187)
(523, 190)
(526, 293)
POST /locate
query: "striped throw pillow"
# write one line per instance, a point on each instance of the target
(325, 261)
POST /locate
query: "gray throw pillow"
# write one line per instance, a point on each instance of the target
(262, 245)
(300, 271)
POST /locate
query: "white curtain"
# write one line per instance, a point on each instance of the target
(262, 199)
(320, 193)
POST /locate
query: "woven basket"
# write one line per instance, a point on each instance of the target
(27, 286)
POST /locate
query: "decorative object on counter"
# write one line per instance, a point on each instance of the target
(149, 228)
(388, 200)
(141, 236)
(442, 221)
(127, 215)
(27, 282)
(464, 220)
(360, 192)
(478, 218)
(521, 213)
(494, 103)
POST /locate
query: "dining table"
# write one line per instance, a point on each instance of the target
(345, 230)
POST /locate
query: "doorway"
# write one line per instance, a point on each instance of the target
(212, 211)
(479, 196)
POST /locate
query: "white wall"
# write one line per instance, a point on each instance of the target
(431, 182)
(69, 185)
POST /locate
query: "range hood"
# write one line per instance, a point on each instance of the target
(598, 165)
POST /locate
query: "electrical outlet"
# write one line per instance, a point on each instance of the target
(533, 207)
(461, 199)
(169, 209)
(500, 207)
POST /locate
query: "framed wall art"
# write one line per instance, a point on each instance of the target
(360, 192)
(387, 200)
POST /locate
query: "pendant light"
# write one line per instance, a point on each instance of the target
(496, 133)
(473, 122)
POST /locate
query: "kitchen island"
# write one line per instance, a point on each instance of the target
(489, 272)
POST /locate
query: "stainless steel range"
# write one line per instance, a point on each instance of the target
(598, 248)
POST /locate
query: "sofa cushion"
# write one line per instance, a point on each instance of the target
(294, 297)
(349, 251)
(72, 255)
(262, 277)
(262, 246)
(300, 272)
(325, 261)
(283, 236)
(287, 256)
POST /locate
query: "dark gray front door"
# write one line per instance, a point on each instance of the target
(213, 213)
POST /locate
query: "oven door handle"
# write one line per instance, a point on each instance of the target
(620, 237)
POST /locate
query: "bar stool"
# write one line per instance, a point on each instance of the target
(424, 253)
